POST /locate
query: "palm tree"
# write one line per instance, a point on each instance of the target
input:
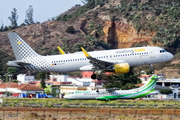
(11, 71)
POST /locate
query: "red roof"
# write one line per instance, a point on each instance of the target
(145, 76)
(139, 85)
(9, 84)
(29, 87)
(21, 86)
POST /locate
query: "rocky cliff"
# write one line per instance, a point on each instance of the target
(122, 35)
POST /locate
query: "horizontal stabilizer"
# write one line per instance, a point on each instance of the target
(17, 63)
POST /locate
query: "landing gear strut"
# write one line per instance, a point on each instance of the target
(151, 69)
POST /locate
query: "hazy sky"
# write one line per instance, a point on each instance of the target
(43, 9)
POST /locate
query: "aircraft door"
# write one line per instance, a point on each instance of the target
(151, 51)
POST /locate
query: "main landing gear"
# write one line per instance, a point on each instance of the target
(151, 69)
(98, 77)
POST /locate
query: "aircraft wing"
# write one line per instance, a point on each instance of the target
(112, 89)
(96, 62)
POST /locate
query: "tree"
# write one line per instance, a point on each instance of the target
(14, 18)
(29, 16)
(5, 28)
(47, 90)
(42, 76)
(2, 28)
(166, 91)
(84, 1)
(11, 71)
(70, 29)
(122, 81)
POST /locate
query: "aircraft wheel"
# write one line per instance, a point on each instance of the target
(152, 71)
(93, 76)
(99, 77)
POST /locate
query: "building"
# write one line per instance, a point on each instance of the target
(16, 89)
(23, 78)
(69, 84)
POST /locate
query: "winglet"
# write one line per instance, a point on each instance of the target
(85, 52)
(60, 50)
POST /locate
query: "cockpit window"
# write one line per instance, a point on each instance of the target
(162, 51)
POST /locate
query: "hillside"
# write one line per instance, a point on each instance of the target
(106, 24)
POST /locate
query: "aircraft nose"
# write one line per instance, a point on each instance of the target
(169, 56)
(65, 97)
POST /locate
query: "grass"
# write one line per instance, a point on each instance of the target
(52, 102)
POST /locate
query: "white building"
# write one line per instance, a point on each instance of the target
(75, 81)
(23, 78)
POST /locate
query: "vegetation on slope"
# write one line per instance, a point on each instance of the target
(155, 15)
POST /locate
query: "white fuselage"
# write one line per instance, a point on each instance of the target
(133, 56)
(112, 94)
(92, 95)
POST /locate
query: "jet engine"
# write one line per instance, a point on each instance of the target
(120, 68)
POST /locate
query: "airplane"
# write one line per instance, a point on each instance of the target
(115, 60)
(113, 94)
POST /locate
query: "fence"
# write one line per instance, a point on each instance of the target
(56, 112)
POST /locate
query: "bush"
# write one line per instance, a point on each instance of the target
(70, 29)
(166, 91)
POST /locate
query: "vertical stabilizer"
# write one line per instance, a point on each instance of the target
(20, 48)
(150, 83)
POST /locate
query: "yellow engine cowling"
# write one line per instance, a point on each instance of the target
(121, 68)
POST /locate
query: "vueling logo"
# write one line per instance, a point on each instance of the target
(139, 50)
(18, 42)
